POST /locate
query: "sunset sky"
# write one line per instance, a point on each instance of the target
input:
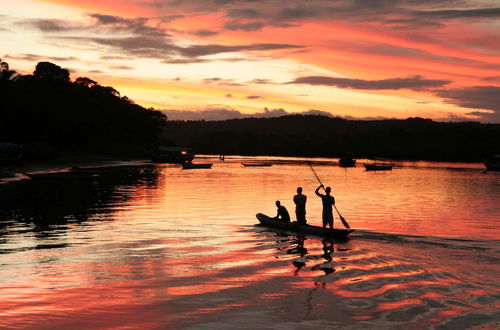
(218, 59)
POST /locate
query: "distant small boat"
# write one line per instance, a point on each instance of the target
(172, 155)
(305, 229)
(347, 162)
(493, 163)
(379, 165)
(62, 176)
(257, 164)
(190, 166)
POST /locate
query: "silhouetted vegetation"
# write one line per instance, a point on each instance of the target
(313, 136)
(49, 113)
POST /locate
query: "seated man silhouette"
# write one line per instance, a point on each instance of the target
(282, 213)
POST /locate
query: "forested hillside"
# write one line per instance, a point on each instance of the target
(49, 113)
(413, 138)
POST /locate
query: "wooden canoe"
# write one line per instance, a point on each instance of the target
(304, 229)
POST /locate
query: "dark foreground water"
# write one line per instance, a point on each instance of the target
(165, 248)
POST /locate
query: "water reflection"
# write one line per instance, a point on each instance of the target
(371, 282)
(158, 247)
(45, 210)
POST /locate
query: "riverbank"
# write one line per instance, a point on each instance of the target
(63, 163)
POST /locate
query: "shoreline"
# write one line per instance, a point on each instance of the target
(65, 163)
(15, 173)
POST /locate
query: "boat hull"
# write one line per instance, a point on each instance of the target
(257, 164)
(304, 229)
(377, 167)
(347, 162)
(191, 166)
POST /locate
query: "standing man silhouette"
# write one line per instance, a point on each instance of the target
(300, 206)
(328, 203)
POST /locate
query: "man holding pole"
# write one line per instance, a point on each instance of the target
(328, 203)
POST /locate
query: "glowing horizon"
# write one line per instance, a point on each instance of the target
(435, 59)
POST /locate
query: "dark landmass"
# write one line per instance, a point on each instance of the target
(320, 136)
(51, 115)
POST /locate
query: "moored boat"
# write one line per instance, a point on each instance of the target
(189, 165)
(379, 164)
(305, 229)
(257, 164)
(378, 167)
(347, 160)
(172, 155)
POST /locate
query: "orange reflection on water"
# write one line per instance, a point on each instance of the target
(97, 306)
(363, 317)
(383, 289)
(199, 289)
(394, 305)
(371, 277)
(453, 310)
(187, 246)
(224, 283)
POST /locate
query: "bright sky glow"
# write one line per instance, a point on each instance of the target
(436, 59)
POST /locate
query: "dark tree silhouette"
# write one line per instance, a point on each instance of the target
(85, 82)
(308, 136)
(47, 70)
(49, 114)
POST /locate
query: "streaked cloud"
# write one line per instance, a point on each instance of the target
(390, 58)
(221, 82)
(476, 97)
(39, 58)
(416, 83)
(481, 13)
(140, 25)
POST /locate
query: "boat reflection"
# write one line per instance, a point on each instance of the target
(327, 265)
(301, 251)
(327, 248)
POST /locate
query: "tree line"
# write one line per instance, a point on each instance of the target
(48, 112)
(321, 136)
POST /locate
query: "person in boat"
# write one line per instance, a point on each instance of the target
(282, 213)
(300, 206)
(328, 203)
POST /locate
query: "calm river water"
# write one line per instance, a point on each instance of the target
(157, 247)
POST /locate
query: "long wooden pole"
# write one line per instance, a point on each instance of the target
(344, 221)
